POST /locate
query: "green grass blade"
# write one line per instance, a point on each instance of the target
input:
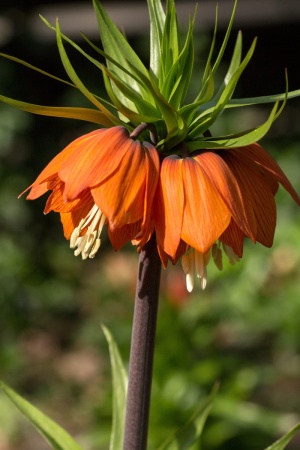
(185, 437)
(283, 442)
(119, 381)
(56, 436)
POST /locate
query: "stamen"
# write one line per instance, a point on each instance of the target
(230, 253)
(194, 261)
(90, 242)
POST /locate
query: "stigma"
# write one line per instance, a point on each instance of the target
(88, 244)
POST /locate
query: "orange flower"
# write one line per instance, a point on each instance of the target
(216, 197)
(101, 177)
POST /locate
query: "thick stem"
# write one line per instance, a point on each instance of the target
(142, 348)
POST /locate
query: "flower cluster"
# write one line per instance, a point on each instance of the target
(153, 166)
(197, 205)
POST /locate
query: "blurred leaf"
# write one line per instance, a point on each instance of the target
(190, 433)
(56, 436)
(119, 382)
(282, 442)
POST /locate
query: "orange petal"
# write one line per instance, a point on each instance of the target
(56, 201)
(234, 237)
(261, 157)
(120, 236)
(95, 157)
(227, 186)
(257, 192)
(121, 196)
(70, 220)
(205, 215)
(169, 204)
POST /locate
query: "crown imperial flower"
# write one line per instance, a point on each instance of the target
(220, 195)
(154, 165)
(103, 177)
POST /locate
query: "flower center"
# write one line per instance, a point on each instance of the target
(90, 242)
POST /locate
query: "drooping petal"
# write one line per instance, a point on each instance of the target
(205, 214)
(56, 201)
(94, 157)
(261, 157)
(234, 237)
(70, 220)
(120, 236)
(228, 187)
(169, 204)
(121, 196)
(257, 192)
(39, 187)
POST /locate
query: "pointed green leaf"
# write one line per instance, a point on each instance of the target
(157, 22)
(56, 436)
(283, 442)
(185, 437)
(119, 381)
(178, 79)
(76, 80)
(235, 140)
(207, 118)
(87, 114)
(30, 66)
(117, 47)
(234, 64)
(221, 51)
(143, 107)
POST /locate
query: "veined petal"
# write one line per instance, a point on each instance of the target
(121, 196)
(205, 215)
(93, 158)
(227, 186)
(120, 236)
(261, 157)
(257, 192)
(56, 201)
(169, 204)
(70, 220)
(234, 238)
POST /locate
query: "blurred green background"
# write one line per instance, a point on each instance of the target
(242, 331)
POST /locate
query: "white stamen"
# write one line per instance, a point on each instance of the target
(90, 242)
(194, 261)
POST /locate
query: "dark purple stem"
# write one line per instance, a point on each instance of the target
(142, 348)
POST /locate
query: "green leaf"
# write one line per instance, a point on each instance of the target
(30, 66)
(178, 79)
(282, 442)
(191, 432)
(235, 140)
(117, 47)
(234, 64)
(56, 436)
(119, 382)
(87, 114)
(76, 80)
(208, 73)
(208, 117)
(157, 22)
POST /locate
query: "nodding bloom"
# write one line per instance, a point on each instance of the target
(103, 177)
(212, 201)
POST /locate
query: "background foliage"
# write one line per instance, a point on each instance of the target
(243, 330)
